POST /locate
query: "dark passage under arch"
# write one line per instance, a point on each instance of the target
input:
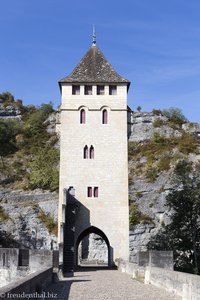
(86, 232)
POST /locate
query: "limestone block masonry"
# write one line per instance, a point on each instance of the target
(108, 170)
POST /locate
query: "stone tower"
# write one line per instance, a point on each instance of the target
(93, 196)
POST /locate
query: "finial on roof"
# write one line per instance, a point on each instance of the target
(94, 37)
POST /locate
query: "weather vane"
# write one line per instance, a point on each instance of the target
(94, 37)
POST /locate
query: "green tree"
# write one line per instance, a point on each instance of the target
(34, 120)
(44, 172)
(7, 98)
(183, 233)
(175, 115)
(139, 108)
(8, 131)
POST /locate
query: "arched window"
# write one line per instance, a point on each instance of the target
(82, 116)
(92, 152)
(104, 116)
(85, 152)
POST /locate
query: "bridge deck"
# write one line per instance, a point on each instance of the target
(106, 285)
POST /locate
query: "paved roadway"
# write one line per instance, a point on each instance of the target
(106, 285)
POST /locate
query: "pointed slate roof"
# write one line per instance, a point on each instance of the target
(94, 68)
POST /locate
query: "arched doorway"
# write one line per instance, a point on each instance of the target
(81, 249)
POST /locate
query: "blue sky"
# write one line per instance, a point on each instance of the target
(155, 44)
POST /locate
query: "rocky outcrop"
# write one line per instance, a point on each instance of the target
(150, 195)
(23, 207)
(10, 111)
(151, 199)
(23, 217)
(145, 124)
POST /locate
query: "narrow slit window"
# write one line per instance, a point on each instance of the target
(112, 90)
(104, 116)
(100, 89)
(96, 192)
(88, 90)
(89, 191)
(82, 116)
(75, 89)
(85, 152)
(4, 259)
(91, 152)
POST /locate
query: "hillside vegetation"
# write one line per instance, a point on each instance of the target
(28, 157)
(164, 185)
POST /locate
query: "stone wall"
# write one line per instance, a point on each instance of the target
(32, 283)
(185, 285)
(8, 265)
(161, 259)
(182, 284)
(15, 264)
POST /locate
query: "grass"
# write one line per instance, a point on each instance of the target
(137, 217)
(159, 145)
(151, 174)
(160, 152)
(164, 163)
(139, 194)
(159, 123)
(139, 279)
(3, 215)
(48, 222)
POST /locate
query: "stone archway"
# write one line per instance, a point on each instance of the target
(97, 231)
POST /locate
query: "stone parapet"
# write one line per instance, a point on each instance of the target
(33, 283)
(181, 284)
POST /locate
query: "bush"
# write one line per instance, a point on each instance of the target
(164, 163)
(157, 112)
(137, 217)
(3, 215)
(132, 148)
(139, 194)
(188, 144)
(7, 240)
(134, 214)
(158, 139)
(151, 174)
(8, 131)
(7, 98)
(34, 121)
(159, 123)
(44, 169)
(175, 116)
(48, 222)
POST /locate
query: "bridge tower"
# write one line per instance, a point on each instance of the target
(93, 192)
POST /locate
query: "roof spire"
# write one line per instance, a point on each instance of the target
(94, 37)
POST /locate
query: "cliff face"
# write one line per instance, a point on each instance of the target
(155, 146)
(154, 149)
(28, 219)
